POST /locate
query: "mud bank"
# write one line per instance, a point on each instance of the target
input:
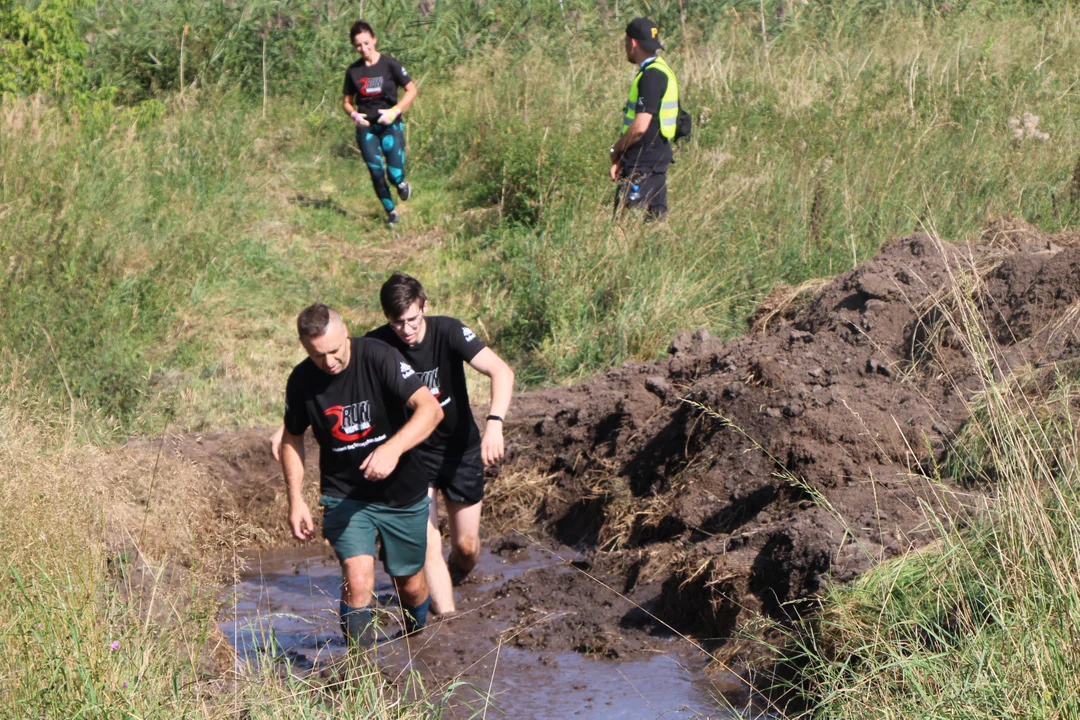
(736, 479)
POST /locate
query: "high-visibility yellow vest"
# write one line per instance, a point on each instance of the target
(669, 104)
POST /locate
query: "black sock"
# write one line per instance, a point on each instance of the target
(356, 625)
(415, 616)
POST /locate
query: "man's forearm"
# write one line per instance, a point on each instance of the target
(502, 389)
(425, 418)
(626, 140)
(292, 465)
(295, 482)
(635, 132)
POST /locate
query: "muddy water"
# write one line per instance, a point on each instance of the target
(286, 604)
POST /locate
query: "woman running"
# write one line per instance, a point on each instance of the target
(371, 100)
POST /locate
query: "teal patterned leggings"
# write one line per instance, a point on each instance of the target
(376, 142)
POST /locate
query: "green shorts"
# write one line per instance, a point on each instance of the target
(351, 526)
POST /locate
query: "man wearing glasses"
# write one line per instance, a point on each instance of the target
(455, 454)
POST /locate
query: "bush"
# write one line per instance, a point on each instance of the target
(42, 49)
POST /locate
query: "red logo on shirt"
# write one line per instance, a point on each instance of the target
(353, 422)
(371, 86)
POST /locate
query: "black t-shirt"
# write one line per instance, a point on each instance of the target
(652, 153)
(375, 87)
(351, 414)
(439, 359)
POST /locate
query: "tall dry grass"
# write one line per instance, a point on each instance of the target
(91, 626)
(111, 572)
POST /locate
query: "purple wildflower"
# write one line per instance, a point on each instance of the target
(114, 646)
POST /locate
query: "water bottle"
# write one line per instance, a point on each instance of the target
(635, 193)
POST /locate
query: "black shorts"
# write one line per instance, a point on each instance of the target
(460, 477)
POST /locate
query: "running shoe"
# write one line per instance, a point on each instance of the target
(403, 190)
(392, 218)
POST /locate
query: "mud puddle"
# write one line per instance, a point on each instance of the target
(286, 606)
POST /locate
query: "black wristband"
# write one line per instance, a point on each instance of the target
(494, 417)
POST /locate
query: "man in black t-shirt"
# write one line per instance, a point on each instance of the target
(454, 456)
(367, 409)
(642, 154)
(371, 100)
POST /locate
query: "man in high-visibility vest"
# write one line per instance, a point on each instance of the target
(642, 154)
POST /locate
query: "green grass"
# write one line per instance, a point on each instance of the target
(175, 251)
(803, 162)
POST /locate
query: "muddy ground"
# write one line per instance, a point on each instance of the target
(493, 649)
(736, 480)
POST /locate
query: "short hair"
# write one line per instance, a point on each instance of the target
(398, 293)
(313, 320)
(358, 27)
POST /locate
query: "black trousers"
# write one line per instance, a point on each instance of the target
(642, 190)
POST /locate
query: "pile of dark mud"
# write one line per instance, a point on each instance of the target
(736, 480)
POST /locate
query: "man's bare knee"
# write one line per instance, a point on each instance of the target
(358, 580)
(467, 552)
(470, 546)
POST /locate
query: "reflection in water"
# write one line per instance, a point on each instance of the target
(286, 606)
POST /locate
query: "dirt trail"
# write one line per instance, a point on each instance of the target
(833, 408)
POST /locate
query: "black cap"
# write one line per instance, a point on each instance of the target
(645, 32)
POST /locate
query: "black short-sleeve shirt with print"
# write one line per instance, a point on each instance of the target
(652, 153)
(439, 359)
(375, 87)
(351, 414)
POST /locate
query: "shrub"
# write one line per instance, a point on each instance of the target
(41, 49)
